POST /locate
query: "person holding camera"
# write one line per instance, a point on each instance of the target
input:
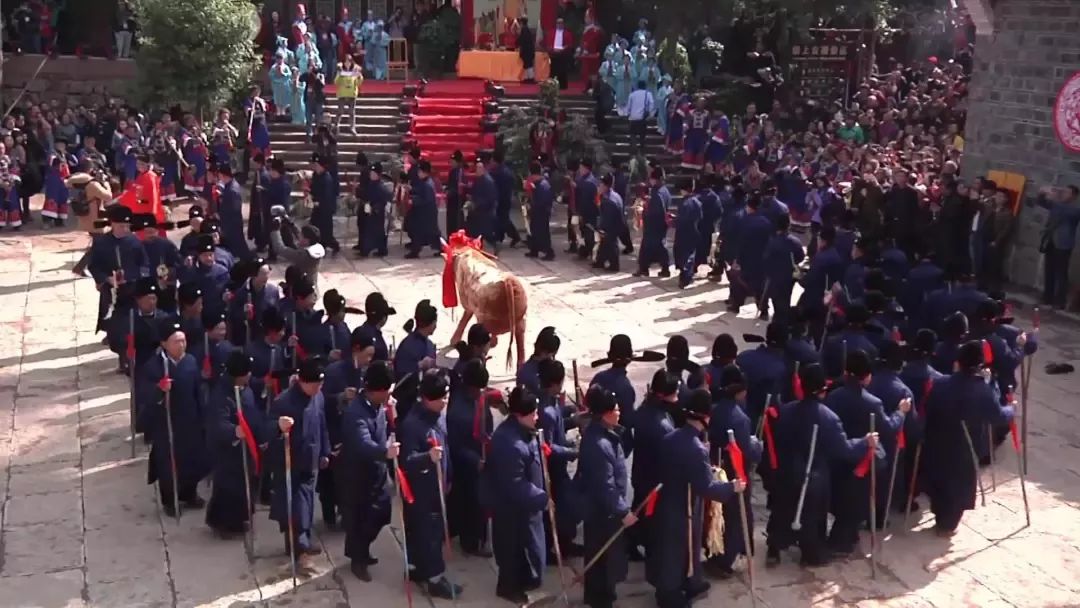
(308, 252)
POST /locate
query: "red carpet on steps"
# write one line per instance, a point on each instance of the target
(444, 123)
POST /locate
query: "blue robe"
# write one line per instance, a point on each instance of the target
(552, 425)
(372, 331)
(614, 379)
(106, 252)
(688, 481)
(376, 49)
(374, 237)
(281, 77)
(783, 253)
(948, 471)
(518, 502)
(227, 508)
(469, 427)
(540, 206)
(261, 299)
(422, 217)
(230, 212)
(188, 414)
(654, 230)
(601, 483)
(364, 494)
(729, 415)
(298, 108)
(309, 443)
(423, 517)
(687, 225)
(267, 360)
(211, 279)
(480, 222)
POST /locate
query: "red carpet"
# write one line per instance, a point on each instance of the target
(457, 87)
(447, 121)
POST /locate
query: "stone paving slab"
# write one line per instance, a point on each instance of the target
(80, 526)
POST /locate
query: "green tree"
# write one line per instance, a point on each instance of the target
(197, 53)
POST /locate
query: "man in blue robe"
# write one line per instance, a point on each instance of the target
(654, 227)
(609, 225)
(230, 212)
(117, 260)
(377, 312)
(469, 424)
(541, 201)
(423, 438)
(422, 217)
(504, 188)
(415, 354)
(228, 425)
(560, 452)
(483, 201)
(645, 428)
(168, 385)
(297, 423)
(367, 447)
(546, 347)
(518, 499)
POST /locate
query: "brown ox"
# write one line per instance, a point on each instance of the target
(496, 297)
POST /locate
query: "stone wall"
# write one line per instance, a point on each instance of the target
(1025, 51)
(66, 78)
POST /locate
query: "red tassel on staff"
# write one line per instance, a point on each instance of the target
(164, 378)
(206, 367)
(988, 353)
(770, 412)
(546, 448)
(249, 438)
(796, 387)
(901, 438)
(391, 415)
(927, 387)
(301, 352)
(1015, 435)
(650, 502)
(896, 336)
(737, 461)
(406, 490)
(130, 351)
(864, 465)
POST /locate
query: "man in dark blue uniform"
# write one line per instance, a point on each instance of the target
(378, 195)
(423, 438)
(854, 406)
(117, 260)
(687, 238)
(673, 563)
(546, 347)
(297, 422)
(227, 512)
(483, 201)
(324, 193)
(710, 214)
(749, 271)
(956, 408)
(654, 228)
(230, 213)
(782, 256)
(851, 338)
(162, 259)
(504, 188)
(422, 217)
(469, 424)
(173, 375)
(269, 364)
(456, 187)
(887, 386)
(560, 453)
(609, 222)
(415, 354)
(366, 449)
(142, 315)
(307, 335)
(766, 370)
(518, 499)
(620, 354)
(645, 429)
(540, 204)
(377, 312)
(728, 414)
(210, 276)
(602, 482)
(254, 296)
(833, 451)
(586, 189)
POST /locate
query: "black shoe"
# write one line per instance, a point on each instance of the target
(598, 265)
(357, 248)
(764, 316)
(914, 507)
(696, 588)
(514, 243)
(168, 510)
(635, 554)
(627, 250)
(360, 571)
(815, 561)
(194, 502)
(517, 598)
(714, 569)
(331, 522)
(443, 589)
(641, 273)
(412, 255)
(438, 254)
(361, 255)
(665, 274)
(571, 249)
(548, 256)
(532, 254)
(772, 557)
(381, 253)
(573, 550)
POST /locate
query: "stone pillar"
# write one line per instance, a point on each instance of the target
(1024, 53)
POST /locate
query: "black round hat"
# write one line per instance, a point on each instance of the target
(664, 383)
(434, 384)
(311, 370)
(238, 364)
(600, 400)
(522, 402)
(379, 376)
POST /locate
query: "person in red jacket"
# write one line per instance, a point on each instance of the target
(143, 194)
(592, 40)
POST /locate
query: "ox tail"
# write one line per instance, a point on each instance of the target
(513, 322)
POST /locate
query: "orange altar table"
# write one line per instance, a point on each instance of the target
(500, 66)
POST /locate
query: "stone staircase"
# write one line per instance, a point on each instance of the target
(377, 135)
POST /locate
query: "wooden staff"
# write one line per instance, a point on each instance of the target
(1025, 377)
(293, 328)
(401, 520)
(131, 379)
(551, 517)
(247, 317)
(689, 532)
(578, 395)
(796, 524)
(873, 506)
(603, 549)
(746, 528)
(434, 441)
(249, 538)
(892, 474)
(289, 506)
(172, 446)
(911, 486)
(990, 450)
(764, 413)
(974, 461)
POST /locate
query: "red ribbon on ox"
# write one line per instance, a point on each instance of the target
(458, 240)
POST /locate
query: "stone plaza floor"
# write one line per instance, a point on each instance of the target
(80, 526)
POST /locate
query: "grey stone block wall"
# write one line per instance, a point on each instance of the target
(1019, 68)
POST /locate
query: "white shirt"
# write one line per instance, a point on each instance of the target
(558, 46)
(639, 105)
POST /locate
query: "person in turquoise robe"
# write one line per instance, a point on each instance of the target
(366, 35)
(299, 107)
(380, 43)
(281, 76)
(662, 95)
